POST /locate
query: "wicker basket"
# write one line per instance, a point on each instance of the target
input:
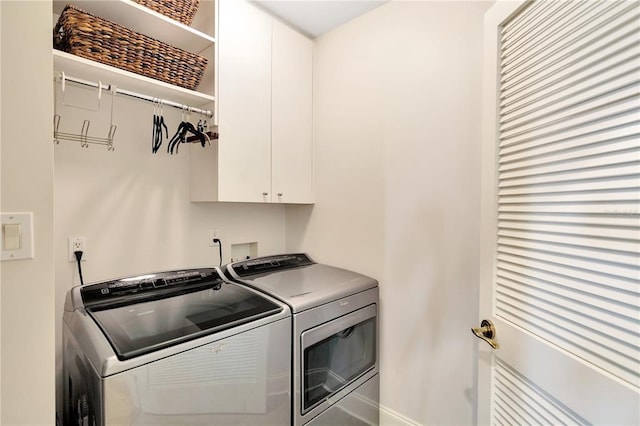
(180, 10)
(88, 36)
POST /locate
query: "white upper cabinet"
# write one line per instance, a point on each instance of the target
(291, 116)
(264, 95)
(198, 38)
(244, 115)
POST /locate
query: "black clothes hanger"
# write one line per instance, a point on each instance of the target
(181, 136)
(197, 132)
(154, 138)
(158, 124)
(177, 139)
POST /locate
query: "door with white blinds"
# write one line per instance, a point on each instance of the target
(561, 213)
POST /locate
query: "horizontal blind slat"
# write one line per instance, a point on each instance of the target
(612, 140)
(613, 25)
(575, 121)
(626, 183)
(569, 229)
(516, 392)
(587, 125)
(583, 112)
(594, 208)
(581, 98)
(630, 271)
(540, 28)
(630, 196)
(505, 411)
(625, 221)
(543, 75)
(587, 271)
(618, 60)
(629, 158)
(557, 412)
(598, 324)
(558, 153)
(519, 407)
(550, 44)
(604, 299)
(521, 22)
(581, 289)
(605, 129)
(622, 246)
(627, 286)
(568, 175)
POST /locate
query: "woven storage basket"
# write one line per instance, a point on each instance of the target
(180, 10)
(88, 36)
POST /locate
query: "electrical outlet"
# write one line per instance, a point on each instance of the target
(77, 244)
(213, 234)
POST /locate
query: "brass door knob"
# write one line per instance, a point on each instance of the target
(486, 332)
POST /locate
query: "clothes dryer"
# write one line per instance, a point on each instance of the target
(335, 336)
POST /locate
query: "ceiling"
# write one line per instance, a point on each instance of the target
(316, 17)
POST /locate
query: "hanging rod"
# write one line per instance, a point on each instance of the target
(135, 95)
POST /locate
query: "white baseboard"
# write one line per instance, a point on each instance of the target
(388, 417)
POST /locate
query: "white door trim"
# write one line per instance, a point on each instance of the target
(488, 188)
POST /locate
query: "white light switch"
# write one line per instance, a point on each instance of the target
(17, 236)
(11, 236)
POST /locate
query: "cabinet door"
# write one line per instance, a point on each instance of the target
(244, 102)
(292, 168)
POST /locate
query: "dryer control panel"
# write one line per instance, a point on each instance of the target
(267, 264)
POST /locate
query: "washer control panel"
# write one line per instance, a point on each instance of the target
(160, 283)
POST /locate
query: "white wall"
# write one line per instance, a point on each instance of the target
(397, 122)
(397, 111)
(133, 206)
(27, 291)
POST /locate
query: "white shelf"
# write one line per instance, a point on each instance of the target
(145, 21)
(76, 66)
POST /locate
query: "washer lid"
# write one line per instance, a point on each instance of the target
(140, 322)
(299, 281)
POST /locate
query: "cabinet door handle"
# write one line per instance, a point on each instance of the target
(265, 193)
(279, 194)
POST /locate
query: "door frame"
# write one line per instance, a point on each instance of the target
(493, 19)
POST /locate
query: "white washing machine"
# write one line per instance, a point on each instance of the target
(179, 347)
(335, 336)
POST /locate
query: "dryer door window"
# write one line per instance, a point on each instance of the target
(337, 353)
